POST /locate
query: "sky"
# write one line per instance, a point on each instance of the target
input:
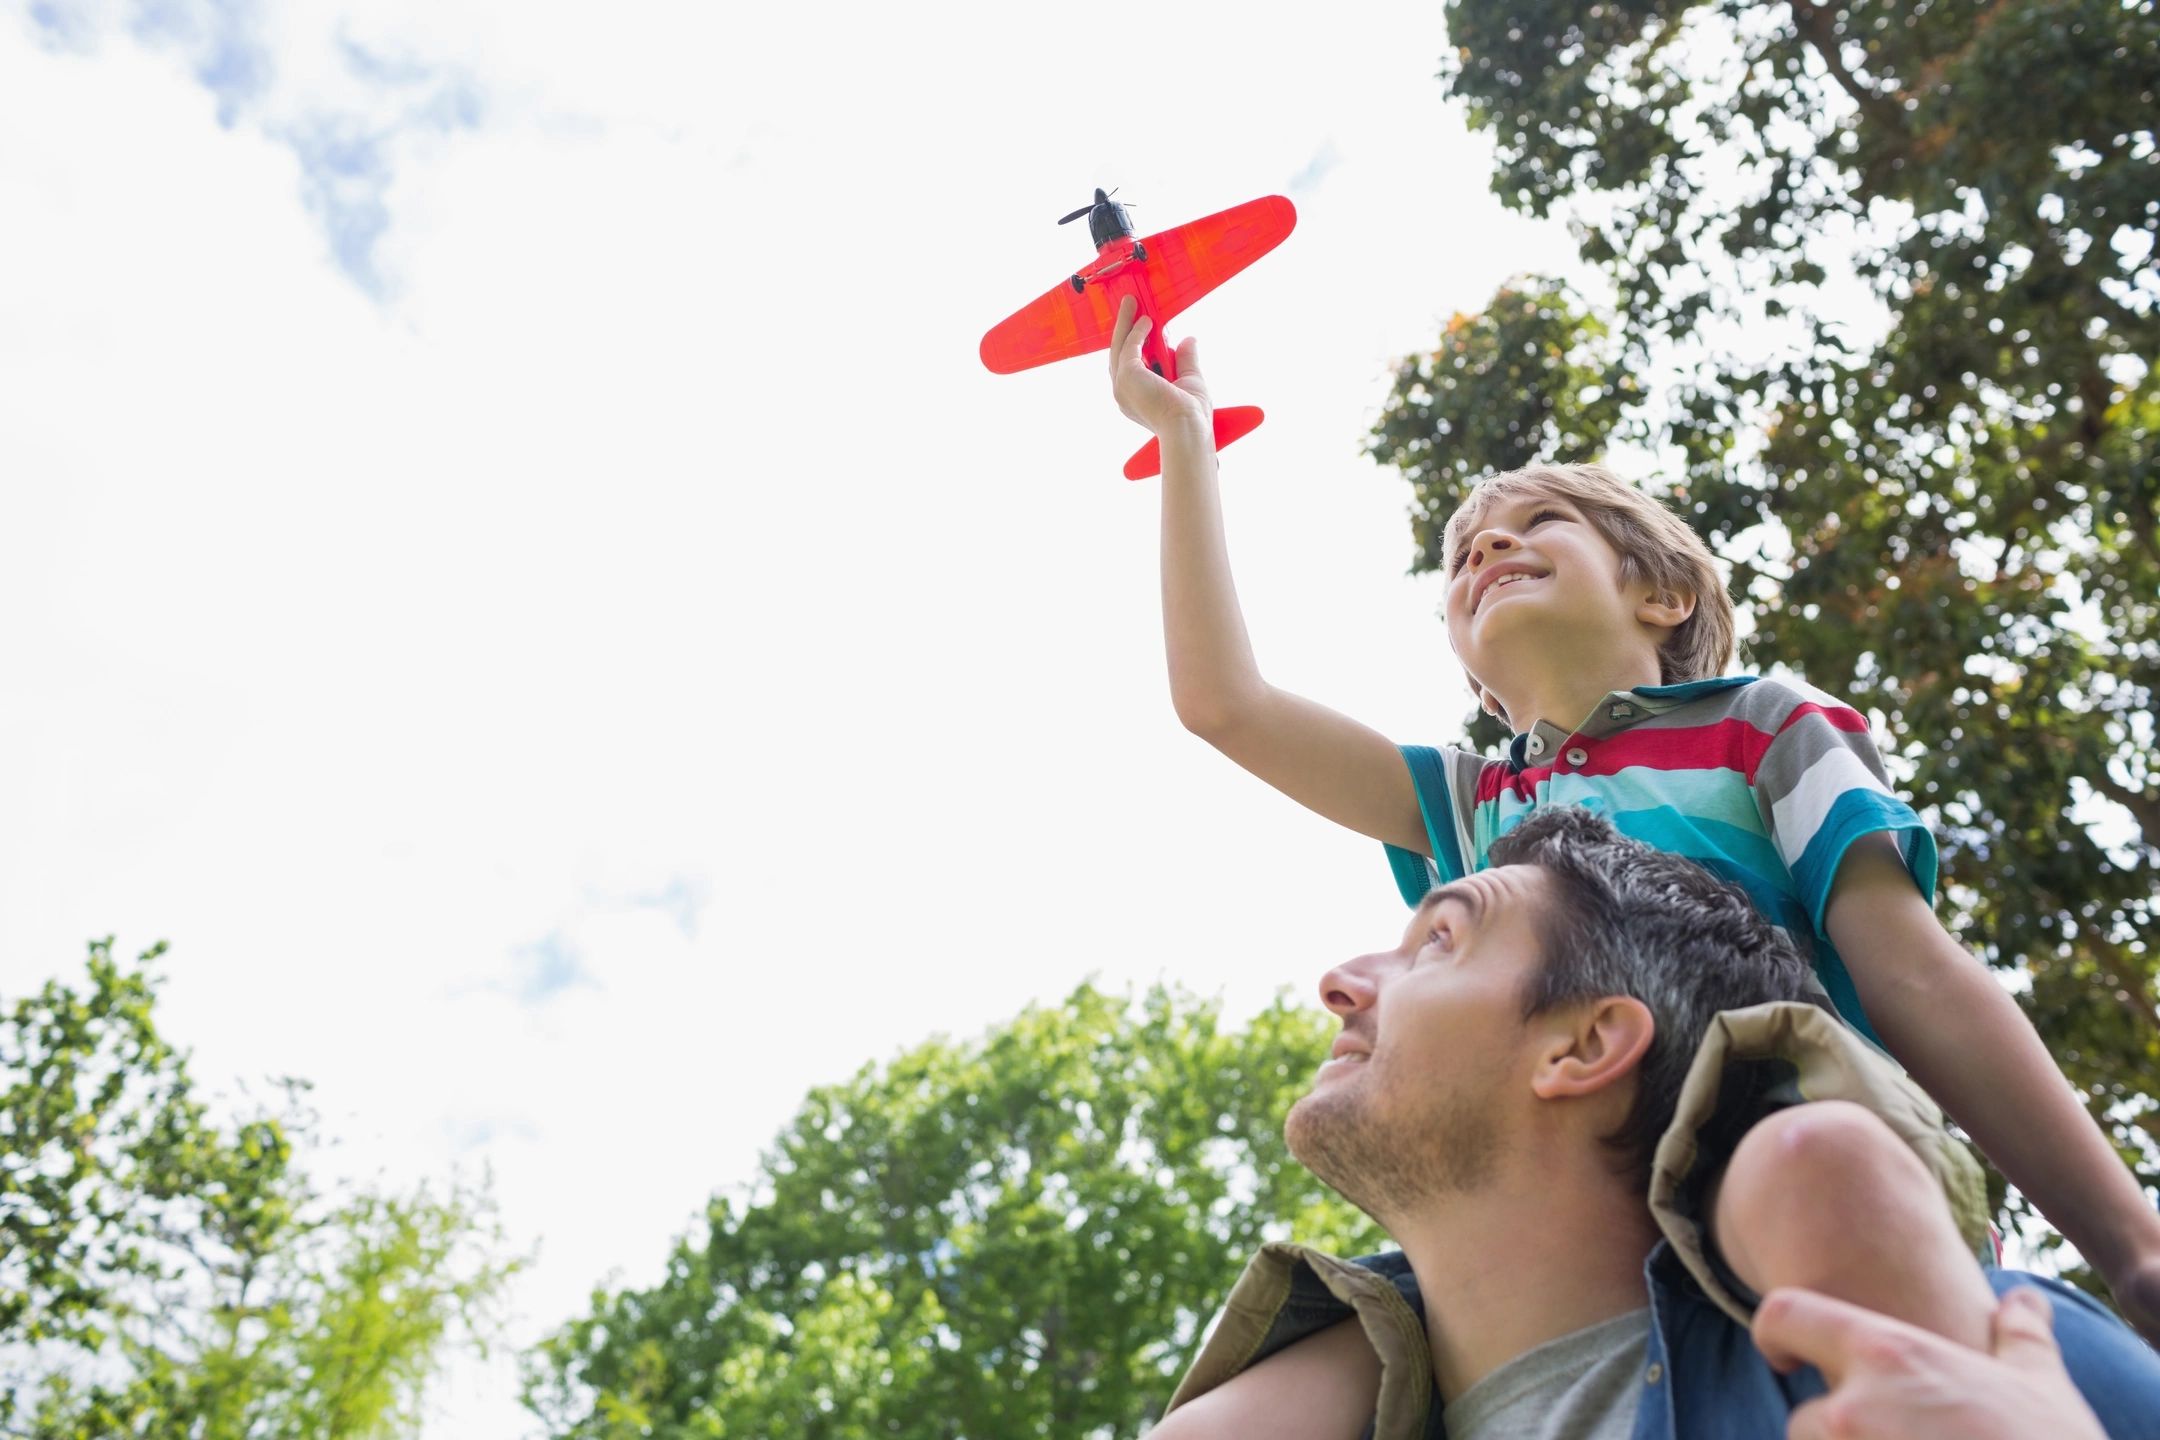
(510, 562)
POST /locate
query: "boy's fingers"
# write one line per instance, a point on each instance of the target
(1188, 355)
(1126, 337)
(1119, 328)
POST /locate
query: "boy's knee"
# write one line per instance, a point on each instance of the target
(1827, 1197)
(1826, 1179)
(1830, 1160)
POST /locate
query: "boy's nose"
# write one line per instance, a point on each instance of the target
(1494, 543)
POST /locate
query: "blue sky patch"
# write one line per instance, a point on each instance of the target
(222, 37)
(347, 149)
(1323, 161)
(546, 968)
(680, 902)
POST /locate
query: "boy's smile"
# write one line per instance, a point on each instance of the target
(1501, 574)
(1525, 544)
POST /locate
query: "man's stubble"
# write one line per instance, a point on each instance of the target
(1394, 1160)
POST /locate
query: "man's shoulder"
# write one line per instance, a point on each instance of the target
(2118, 1373)
(2083, 1323)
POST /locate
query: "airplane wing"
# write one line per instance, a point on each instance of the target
(1182, 265)
(1185, 263)
(1060, 325)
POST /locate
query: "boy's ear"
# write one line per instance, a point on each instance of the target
(1666, 609)
(1592, 1047)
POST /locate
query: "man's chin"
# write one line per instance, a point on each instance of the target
(1385, 1162)
(1313, 1123)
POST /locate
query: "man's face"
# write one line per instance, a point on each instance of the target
(1527, 568)
(1428, 1077)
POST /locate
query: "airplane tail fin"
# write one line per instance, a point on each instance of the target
(1231, 423)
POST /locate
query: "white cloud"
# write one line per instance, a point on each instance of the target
(655, 547)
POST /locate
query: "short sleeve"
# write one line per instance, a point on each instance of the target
(1415, 874)
(1819, 786)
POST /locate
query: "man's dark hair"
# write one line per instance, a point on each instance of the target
(1625, 919)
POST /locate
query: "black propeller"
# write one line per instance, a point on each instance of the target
(1100, 199)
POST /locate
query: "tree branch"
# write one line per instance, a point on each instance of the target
(1930, 75)
(1813, 24)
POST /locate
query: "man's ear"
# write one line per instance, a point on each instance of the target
(1666, 609)
(1603, 1044)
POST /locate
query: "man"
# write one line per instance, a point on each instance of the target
(1502, 1079)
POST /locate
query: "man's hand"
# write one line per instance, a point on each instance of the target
(1161, 405)
(1890, 1380)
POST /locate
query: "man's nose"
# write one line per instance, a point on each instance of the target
(1348, 988)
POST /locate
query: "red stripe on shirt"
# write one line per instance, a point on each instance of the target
(1723, 745)
(1841, 716)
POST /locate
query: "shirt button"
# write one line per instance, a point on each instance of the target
(1655, 1373)
(1536, 746)
(1578, 757)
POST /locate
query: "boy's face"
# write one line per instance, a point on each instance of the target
(1528, 568)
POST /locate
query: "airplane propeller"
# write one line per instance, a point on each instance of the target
(1100, 198)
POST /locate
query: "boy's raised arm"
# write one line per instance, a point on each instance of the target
(1327, 762)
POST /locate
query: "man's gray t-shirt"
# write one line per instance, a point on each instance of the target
(1583, 1386)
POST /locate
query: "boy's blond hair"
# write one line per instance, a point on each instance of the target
(1653, 543)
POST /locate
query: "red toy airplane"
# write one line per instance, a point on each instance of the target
(1165, 273)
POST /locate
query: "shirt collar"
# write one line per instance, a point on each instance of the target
(1544, 742)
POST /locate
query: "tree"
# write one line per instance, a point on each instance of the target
(1889, 273)
(1021, 1235)
(167, 1273)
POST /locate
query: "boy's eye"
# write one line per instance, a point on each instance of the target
(1460, 556)
(1543, 515)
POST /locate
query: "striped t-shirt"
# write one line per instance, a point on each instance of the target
(1765, 783)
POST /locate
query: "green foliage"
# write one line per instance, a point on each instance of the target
(1533, 376)
(1940, 502)
(168, 1274)
(1019, 1235)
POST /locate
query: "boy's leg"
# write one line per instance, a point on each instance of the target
(1823, 1196)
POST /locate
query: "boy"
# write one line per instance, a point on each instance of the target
(1593, 621)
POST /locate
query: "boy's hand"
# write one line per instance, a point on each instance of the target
(2136, 1288)
(1161, 405)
